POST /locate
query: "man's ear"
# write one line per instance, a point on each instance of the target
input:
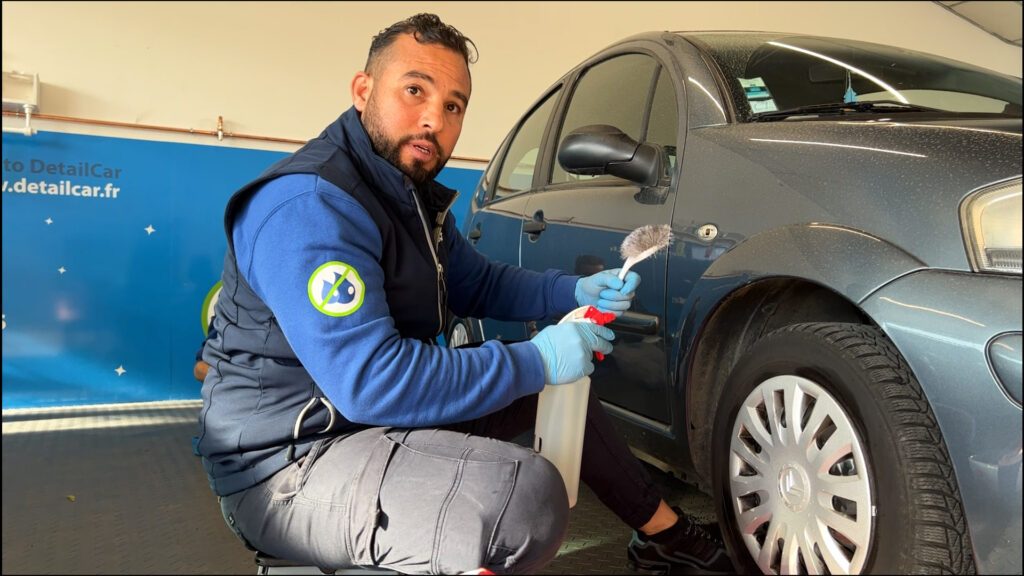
(362, 86)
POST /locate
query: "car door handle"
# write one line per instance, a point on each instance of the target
(475, 234)
(535, 226)
(636, 323)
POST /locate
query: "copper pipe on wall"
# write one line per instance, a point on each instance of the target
(152, 127)
(219, 133)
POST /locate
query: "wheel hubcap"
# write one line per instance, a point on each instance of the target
(459, 335)
(793, 484)
(798, 479)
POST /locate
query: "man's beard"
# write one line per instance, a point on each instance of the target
(391, 150)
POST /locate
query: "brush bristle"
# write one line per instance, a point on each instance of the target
(644, 238)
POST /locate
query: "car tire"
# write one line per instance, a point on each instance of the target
(459, 332)
(850, 473)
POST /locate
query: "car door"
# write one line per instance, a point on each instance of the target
(495, 229)
(577, 223)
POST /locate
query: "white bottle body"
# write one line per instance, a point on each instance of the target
(561, 423)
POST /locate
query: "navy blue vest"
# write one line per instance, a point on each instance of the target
(258, 392)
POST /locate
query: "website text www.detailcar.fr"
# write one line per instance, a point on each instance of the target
(51, 179)
(60, 188)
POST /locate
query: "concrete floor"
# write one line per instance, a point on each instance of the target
(115, 489)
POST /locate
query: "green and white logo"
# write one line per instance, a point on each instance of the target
(208, 306)
(336, 289)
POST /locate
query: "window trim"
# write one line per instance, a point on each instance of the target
(556, 92)
(649, 106)
(486, 192)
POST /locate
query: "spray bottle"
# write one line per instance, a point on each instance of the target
(562, 408)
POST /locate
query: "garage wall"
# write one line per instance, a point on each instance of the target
(112, 236)
(283, 68)
(112, 255)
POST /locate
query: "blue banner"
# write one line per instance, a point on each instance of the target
(111, 248)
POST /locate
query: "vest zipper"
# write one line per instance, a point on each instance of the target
(438, 237)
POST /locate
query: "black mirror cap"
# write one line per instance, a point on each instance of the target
(601, 149)
(644, 168)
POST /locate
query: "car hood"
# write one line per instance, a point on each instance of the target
(899, 180)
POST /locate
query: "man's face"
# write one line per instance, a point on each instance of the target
(413, 105)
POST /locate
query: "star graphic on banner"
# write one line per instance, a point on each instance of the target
(149, 229)
(62, 269)
(48, 221)
(120, 370)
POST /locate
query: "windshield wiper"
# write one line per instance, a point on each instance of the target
(840, 108)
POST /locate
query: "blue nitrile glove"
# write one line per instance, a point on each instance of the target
(568, 349)
(605, 291)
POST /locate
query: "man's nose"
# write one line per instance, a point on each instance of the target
(432, 118)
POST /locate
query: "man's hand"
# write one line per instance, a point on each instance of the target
(200, 370)
(605, 291)
(568, 349)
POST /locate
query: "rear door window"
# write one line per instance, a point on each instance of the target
(520, 162)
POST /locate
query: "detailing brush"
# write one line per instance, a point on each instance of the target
(642, 243)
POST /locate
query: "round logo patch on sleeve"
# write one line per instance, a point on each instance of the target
(336, 289)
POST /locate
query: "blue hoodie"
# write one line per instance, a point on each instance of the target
(320, 314)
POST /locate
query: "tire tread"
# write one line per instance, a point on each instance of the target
(941, 540)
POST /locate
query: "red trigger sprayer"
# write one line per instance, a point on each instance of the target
(599, 318)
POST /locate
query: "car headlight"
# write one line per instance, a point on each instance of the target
(991, 220)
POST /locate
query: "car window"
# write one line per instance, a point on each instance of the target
(613, 92)
(520, 160)
(487, 182)
(769, 75)
(664, 121)
(944, 100)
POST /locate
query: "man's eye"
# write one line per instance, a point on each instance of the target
(454, 108)
(414, 90)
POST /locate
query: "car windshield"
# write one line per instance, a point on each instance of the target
(778, 76)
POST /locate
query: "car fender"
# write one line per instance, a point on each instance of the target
(848, 263)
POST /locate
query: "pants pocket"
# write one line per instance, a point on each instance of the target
(364, 503)
(229, 506)
(435, 506)
(469, 520)
(288, 482)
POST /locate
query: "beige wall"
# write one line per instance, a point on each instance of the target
(283, 68)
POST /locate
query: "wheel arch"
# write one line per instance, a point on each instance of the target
(808, 272)
(739, 321)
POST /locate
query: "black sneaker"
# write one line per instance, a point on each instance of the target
(686, 548)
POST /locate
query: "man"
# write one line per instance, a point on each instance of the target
(334, 430)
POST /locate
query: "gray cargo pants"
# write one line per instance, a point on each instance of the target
(436, 501)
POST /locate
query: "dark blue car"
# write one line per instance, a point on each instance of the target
(832, 345)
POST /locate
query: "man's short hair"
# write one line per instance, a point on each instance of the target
(426, 29)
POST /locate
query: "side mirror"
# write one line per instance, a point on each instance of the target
(601, 149)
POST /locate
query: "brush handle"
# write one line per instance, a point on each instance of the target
(629, 264)
(633, 260)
